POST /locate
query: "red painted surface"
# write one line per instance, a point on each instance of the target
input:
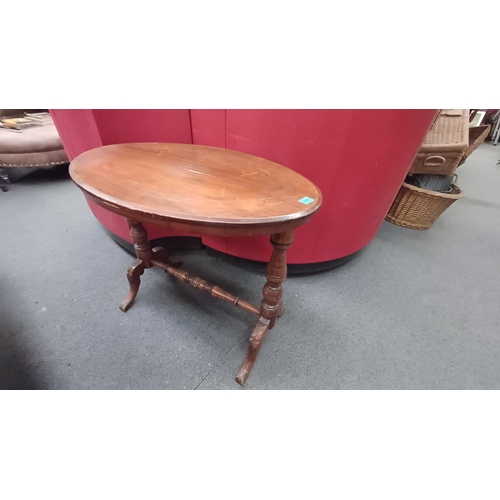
(77, 129)
(209, 127)
(358, 158)
(118, 126)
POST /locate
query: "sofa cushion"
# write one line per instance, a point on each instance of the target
(33, 147)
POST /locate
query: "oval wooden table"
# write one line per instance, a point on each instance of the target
(204, 190)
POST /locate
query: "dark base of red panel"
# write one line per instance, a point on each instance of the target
(315, 267)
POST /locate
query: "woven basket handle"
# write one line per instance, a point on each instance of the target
(434, 161)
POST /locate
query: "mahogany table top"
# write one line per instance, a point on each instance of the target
(185, 183)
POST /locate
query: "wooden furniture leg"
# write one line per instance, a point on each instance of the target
(272, 303)
(144, 255)
(256, 338)
(134, 273)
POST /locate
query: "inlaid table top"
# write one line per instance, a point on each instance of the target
(186, 183)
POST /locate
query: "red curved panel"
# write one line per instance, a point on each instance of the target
(358, 158)
(117, 126)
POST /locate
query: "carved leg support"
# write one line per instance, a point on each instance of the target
(134, 273)
(272, 303)
(271, 306)
(258, 334)
(144, 255)
(142, 245)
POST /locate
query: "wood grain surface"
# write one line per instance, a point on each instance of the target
(194, 184)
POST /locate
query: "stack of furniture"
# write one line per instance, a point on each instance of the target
(429, 188)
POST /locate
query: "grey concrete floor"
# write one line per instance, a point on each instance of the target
(415, 310)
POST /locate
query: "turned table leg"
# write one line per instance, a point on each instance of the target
(144, 255)
(272, 303)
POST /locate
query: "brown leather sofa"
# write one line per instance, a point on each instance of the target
(37, 147)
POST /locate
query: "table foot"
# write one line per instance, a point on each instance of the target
(134, 273)
(258, 334)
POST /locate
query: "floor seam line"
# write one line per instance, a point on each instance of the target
(219, 362)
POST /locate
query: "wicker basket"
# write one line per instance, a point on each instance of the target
(419, 208)
(444, 144)
(477, 135)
